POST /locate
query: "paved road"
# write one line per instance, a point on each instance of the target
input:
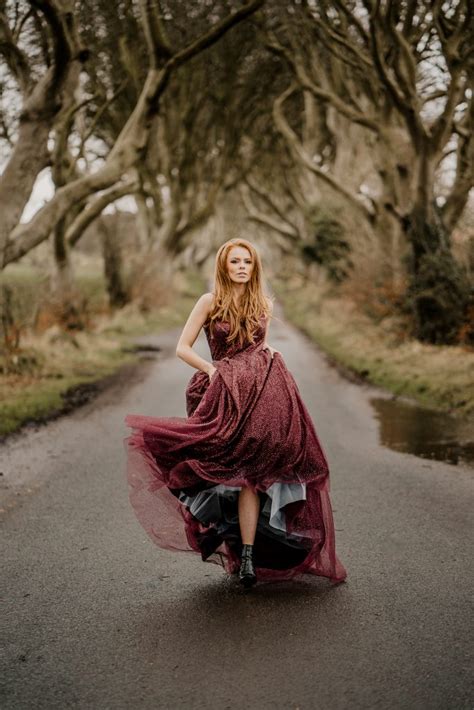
(96, 616)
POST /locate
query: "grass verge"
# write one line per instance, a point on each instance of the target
(58, 370)
(438, 377)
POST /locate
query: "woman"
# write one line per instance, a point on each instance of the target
(242, 480)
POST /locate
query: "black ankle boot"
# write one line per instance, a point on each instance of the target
(247, 574)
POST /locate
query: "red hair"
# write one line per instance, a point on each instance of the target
(243, 319)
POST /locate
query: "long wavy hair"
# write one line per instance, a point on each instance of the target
(243, 319)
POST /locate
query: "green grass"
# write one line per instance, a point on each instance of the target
(37, 400)
(439, 377)
(57, 361)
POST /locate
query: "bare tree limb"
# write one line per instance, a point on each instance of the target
(402, 103)
(271, 203)
(159, 47)
(95, 208)
(16, 60)
(97, 117)
(267, 220)
(58, 22)
(442, 127)
(341, 4)
(323, 94)
(301, 155)
(457, 199)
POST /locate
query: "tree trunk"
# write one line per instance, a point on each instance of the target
(64, 283)
(144, 222)
(112, 254)
(438, 292)
(67, 301)
(30, 156)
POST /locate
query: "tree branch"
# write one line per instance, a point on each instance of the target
(14, 57)
(62, 45)
(402, 104)
(159, 47)
(362, 60)
(464, 181)
(442, 127)
(341, 5)
(303, 158)
(95, 208)
(214, 34)
(407, 78)
(271, 203)
(306, 83)
(97, 117)
(267, 220)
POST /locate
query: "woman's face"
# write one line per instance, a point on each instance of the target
(239, 265)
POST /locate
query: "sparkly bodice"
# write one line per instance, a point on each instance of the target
(220, 348)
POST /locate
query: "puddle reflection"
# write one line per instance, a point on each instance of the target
(412, 429)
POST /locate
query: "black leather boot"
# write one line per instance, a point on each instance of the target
(247, 574)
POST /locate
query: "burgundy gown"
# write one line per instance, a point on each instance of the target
(246, 426)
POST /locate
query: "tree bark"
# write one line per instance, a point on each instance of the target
(113, 264)
(30, 156)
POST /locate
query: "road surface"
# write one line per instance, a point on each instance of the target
(96, 616)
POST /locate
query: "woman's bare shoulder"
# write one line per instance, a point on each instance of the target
(207, 299)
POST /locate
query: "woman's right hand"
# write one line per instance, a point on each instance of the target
(211, 372)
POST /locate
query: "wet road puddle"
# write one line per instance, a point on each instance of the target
(432, 435)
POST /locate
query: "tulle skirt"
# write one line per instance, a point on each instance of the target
(295, 531)
(247, 426)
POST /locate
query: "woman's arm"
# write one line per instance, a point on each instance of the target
(192, 327)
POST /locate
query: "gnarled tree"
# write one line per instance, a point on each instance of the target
(403, 71)
(128, 150)
(44, 84)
